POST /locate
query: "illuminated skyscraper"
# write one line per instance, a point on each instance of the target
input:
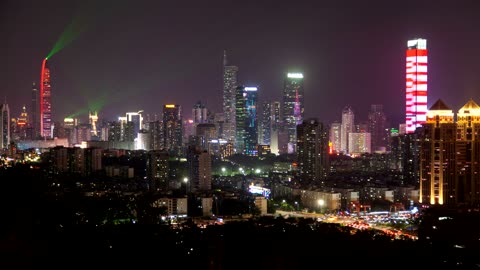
(92, 119)
(172, 128)
(335, 131)
(246, 120)
(229, 86)
(45, 102)
(293, 106)
(199, 113)
(34, 114)
(4, 126)
(347, 127)
(416, 84)
(437, 155)
(266, 123)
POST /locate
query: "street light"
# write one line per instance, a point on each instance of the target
(258, 171)
(321, 202)
(223, 169)
(185, 180)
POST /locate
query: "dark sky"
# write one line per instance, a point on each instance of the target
(142, 54)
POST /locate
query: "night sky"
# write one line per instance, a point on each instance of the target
(134, 55)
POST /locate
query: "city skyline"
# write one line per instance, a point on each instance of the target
(142, 56)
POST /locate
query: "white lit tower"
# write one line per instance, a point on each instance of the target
(293, 107)
(416, 84)
(229, 89)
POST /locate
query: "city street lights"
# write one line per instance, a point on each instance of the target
(223, 170)
(321, 202)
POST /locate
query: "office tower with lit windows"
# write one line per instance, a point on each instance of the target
(157, 170)
(92, 120)
(312, 150)
(34, 125)
(4, 126)
(468, 154)
(438, 156)
(377, 126)
(416, 84)
(348, 118)
(275, 122)
(246, 120)
(334, 136)
(45, 102)
(230, 77)
(293, 106)
(359, 143)
(266, 123)
(172, 129)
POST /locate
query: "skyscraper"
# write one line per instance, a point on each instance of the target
(377, 124)
(157, 170)
(172, 128)
(199, 113)
(246, 120)
(437, 167)
(4, 126)
(293, 106)
(312, 150)
(200, 169)
(229, 86)
(34, 114)
(45, 102)
(347, 127)
(266, 123)
(416, 84)
(335, 134)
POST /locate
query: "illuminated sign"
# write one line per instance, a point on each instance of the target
(417, 43)
(295, 75)
(68, 120)
(250, 88)
(259, 190)
(170, 106)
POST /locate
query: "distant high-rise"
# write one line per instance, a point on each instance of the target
(416, 84)
(293, 106)
(377, 125)
(266, 123)
(312, 150)
(199, 113)
(4, 126)
(229, 86)
(275, 119)
(157, 170)
(246, 139)
(92, 120)
(335, 135)
(359, 143)
(172, 128)
(45, 102)
(348, 118)
(35, 114)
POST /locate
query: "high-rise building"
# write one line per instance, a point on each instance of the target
(266, 123)
(275, 122)
(157, 170)
(246, 139)
(92, 120)
(416, 84)
(200, 169)
(312, 150)
(199, 113)
(335, 135)
(34, 114)
(348, 119)
(136, 119)
(377, 126)
(206, 133)
(172, 128)
(230, 74)
(468, 154)
(4, 126)
(293, 106)
(438, 156)
(359, 143)
(45, 102)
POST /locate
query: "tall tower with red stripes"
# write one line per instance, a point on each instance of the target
(416, 84)
(45, 102)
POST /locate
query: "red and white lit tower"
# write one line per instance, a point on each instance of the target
(45, 102)
(416, 85)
